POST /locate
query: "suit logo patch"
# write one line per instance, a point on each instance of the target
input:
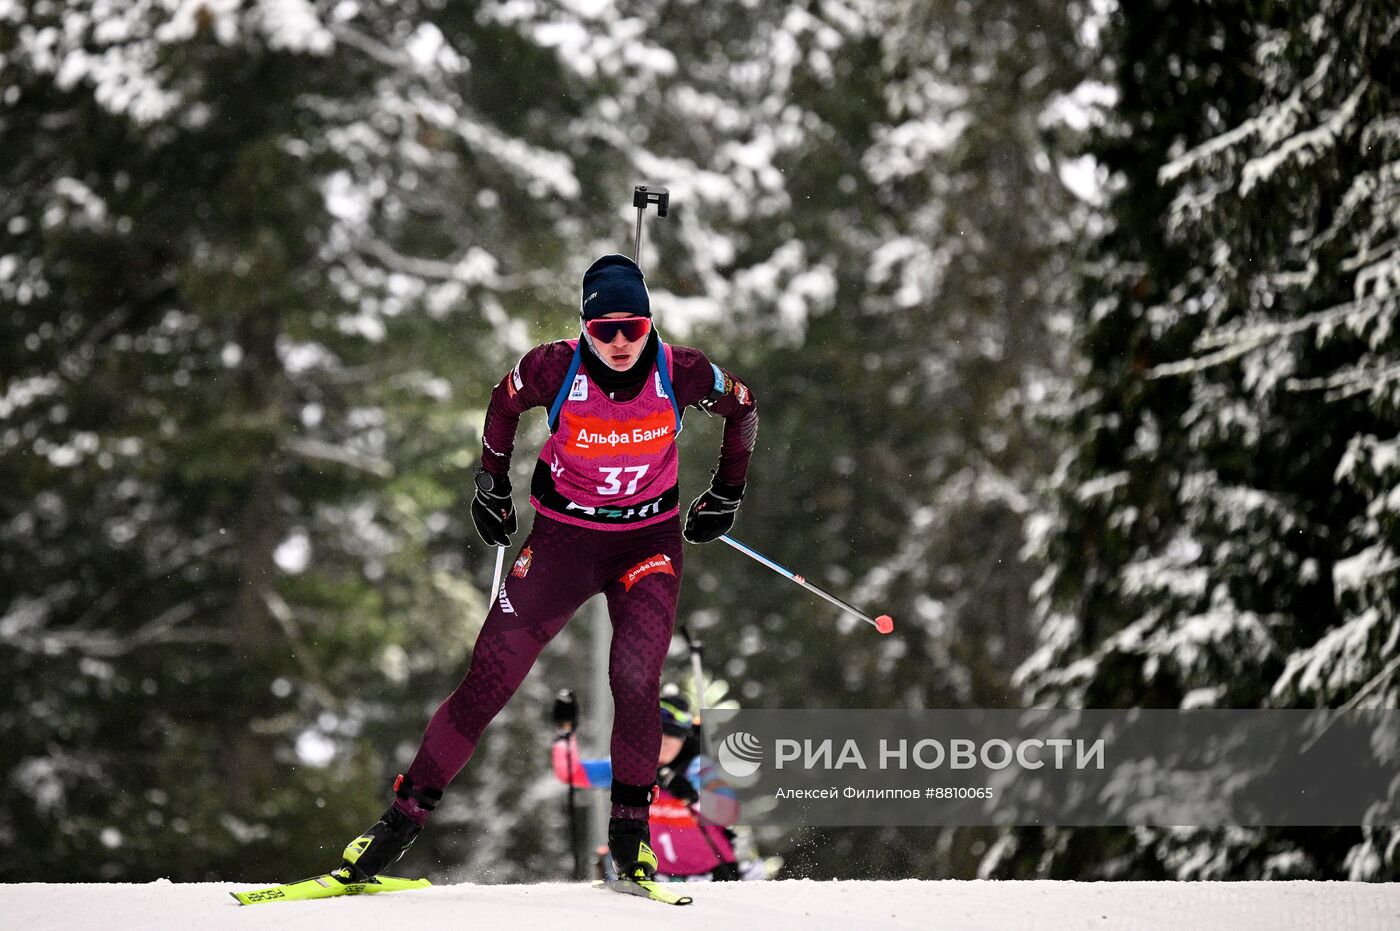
(579, 392)
(522, 563)
(650, 566)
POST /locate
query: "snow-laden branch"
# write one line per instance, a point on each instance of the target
(107, 644)
(1232, 343)
(1348, 382)
(1272, 123)
(1305, 147)
(315, 677)
(320, 451)
(477, 267)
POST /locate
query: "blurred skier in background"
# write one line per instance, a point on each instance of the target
(694, 807)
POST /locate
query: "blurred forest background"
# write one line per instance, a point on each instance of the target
(1074, 329)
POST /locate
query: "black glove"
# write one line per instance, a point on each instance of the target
(565, 712)
(493, 511)
(712, 514)
(676, 783)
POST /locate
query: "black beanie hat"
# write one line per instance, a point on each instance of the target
(611, 284)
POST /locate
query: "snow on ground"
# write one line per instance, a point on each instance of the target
(774, 906)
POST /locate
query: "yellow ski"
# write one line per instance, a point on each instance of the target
(325, 886)
(646, 888)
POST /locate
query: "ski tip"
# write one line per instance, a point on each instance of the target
(645, 889)
(884, 624)
(403, 882)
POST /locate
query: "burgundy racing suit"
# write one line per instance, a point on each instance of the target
(619, 429)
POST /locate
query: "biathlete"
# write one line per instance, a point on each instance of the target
(607, 520)
(693, 805)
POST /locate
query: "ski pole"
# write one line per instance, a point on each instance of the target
(642, 196)
(696, 649)
(573, 808)
(566, 723)
(496, 578)
(883, 623)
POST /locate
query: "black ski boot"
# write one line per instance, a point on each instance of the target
(389, 838)
(629, 841)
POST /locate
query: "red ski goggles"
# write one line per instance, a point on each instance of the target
(605, 329)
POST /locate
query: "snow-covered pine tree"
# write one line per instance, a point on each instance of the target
(1295, 214)
(1224, 522)
(259, 263)
(890, 291)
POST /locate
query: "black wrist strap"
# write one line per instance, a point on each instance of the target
(634, 796)
(426, 798)
(726, 491)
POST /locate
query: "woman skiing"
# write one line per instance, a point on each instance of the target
(693, 804)
(607, 520)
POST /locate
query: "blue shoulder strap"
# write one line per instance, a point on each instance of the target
(565, 388)
(664, 369)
